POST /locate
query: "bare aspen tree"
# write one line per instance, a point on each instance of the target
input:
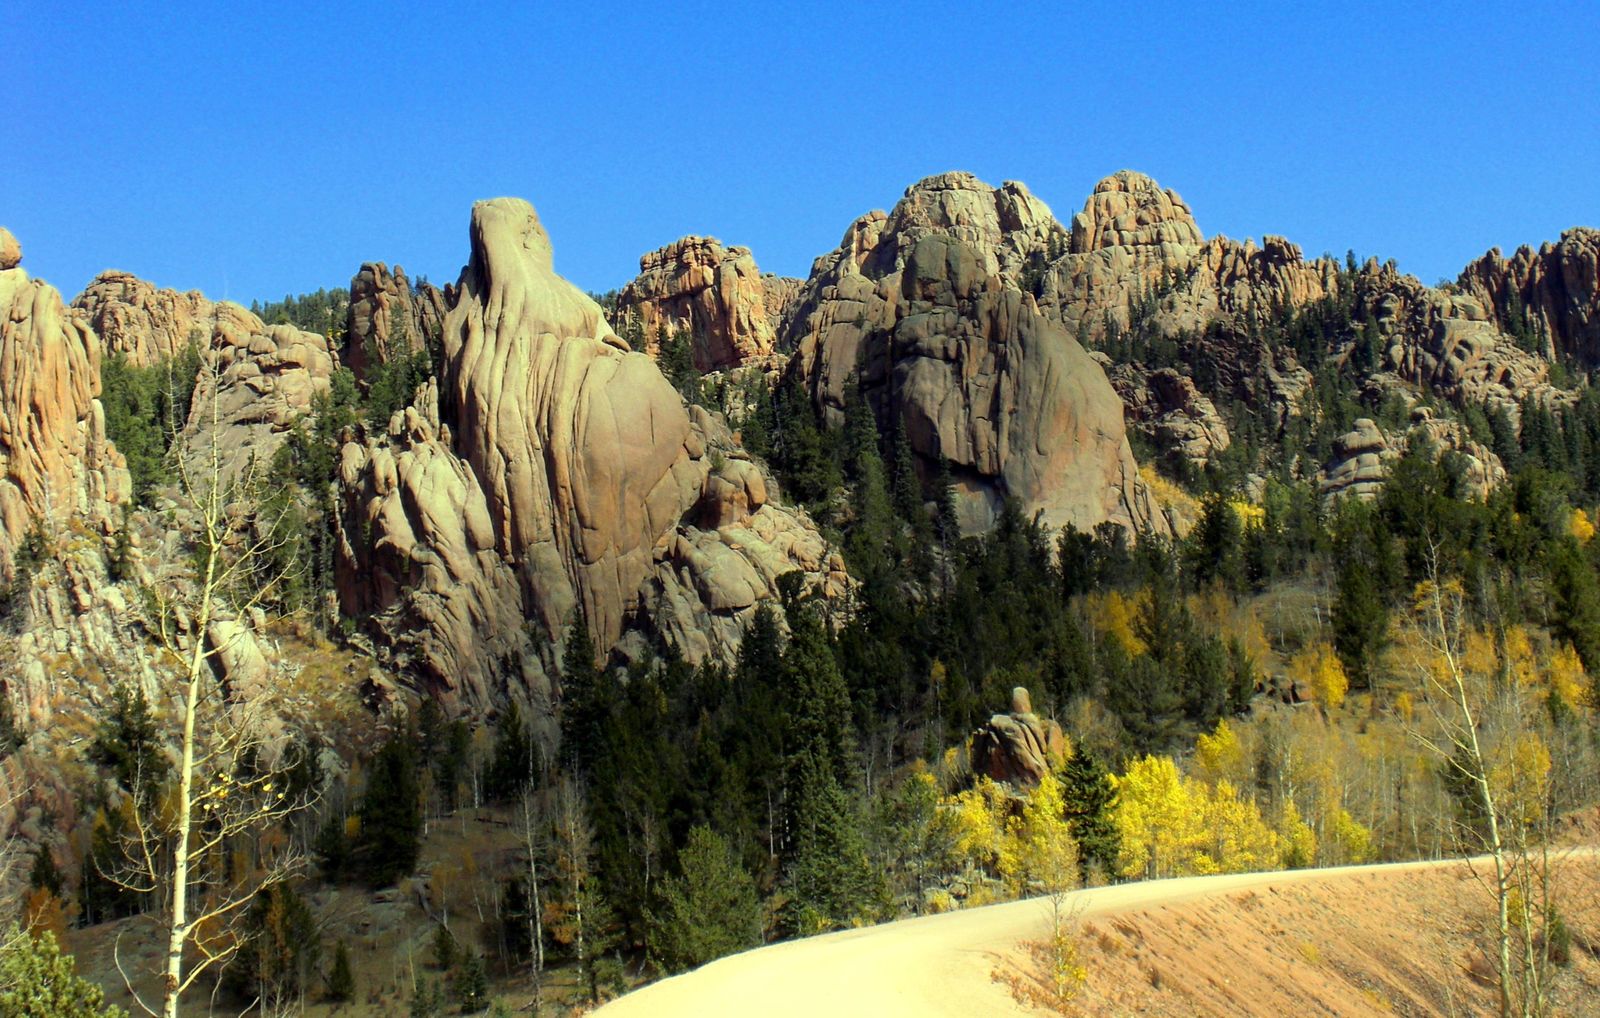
(531, 816)
(231, 771)
(1479, 733)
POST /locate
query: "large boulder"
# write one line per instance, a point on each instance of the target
(914, 308)
(1018, 747)
(715, 295)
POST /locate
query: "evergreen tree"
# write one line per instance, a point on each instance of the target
(1360, 614)
(471, 984)
(1090, 798)
(128, 743)
(389, 841)
(341, 980)
(585, 699)
(710, 909)
(38, 981)
(829, 881)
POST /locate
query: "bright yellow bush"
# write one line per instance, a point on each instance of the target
(1322, 671)
(1580, 527)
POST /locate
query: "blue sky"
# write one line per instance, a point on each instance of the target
(251, 150)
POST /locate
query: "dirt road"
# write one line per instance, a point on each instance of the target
(930, 966)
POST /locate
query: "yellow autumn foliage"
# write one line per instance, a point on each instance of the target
(1114, 616)
(1579, 526)
(1172, 825)
(1321, 670)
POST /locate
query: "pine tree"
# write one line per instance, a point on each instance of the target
(38, 981)
(1091, 801)
(829, 881)
(471, 984)
(710, 909)
(341, 980)
(389, 841)
(585, 699)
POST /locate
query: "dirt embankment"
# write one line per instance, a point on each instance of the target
(1400, 940)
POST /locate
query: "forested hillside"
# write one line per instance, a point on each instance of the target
(560, 665)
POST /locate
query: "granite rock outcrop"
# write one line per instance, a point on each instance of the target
(914, 308)
(389, 317)
(715, 295)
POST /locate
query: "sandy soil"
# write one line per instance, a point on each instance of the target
(1397, 939)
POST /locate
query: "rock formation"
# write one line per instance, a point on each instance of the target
(1167, 407)
(264, 378)
(553, 473)
(1018, 747)
(389, 317)
(1556, 287)
(714, 294)
(143, 322)
(55, 460)
(914, 308)
(428, 575)
(1363, 457)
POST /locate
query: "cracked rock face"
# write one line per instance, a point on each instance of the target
(55, 460)
(388, 317)
(714, 294)
(1557, 286)
(913, 308)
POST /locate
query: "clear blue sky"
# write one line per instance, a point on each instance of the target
(250, 150)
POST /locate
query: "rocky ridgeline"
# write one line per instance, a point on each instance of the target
(715, 295)
(1557, 286)
(55, 460)
(913, 309)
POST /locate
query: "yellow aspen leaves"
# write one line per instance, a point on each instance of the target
(1579, 526)
(1321, 670)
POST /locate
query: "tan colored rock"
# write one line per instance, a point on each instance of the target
(256, 381)
(10, 250)
(389, 317)
(913, 308)
(143, 322)
(714, 294)
(56, 463)
(1558, 288)
(1361, 460)
(1168, 408)
(552, 472)
(1018, 747)
(417, 558)
(581, 447)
